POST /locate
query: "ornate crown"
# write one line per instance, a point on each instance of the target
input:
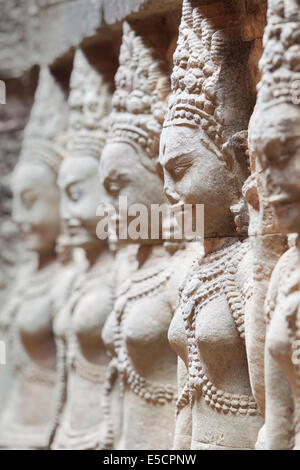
(44, 134)
(280, 62)
(89, 104)
(208, 92)
(140, 100)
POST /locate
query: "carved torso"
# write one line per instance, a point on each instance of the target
(283, 326)
(78, 333)
(124, 264)
(31, 413)
(208, 333)
(147, 365)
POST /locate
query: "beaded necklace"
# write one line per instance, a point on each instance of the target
(209, 278)
(143, 283)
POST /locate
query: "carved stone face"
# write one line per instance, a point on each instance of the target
(79, 187)
(36, 205)
(121, 173)
(194, 175)
(278, 150)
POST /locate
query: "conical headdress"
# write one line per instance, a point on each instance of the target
(280, 62)
(139, 102)
(44, 134)
(209, 89)
(89, 104)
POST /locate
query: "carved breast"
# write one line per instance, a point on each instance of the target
(211, 308)
(34, 325)
(36, 308)
(177, 335)
(146, 323)
(221, 350)
(278, 340)
(34, 317)
(92, 310)
(108, 334)
(282, 306)
(215, 327)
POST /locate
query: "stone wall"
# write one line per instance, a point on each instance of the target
(37, 32)
(178, 103)
(45, 30)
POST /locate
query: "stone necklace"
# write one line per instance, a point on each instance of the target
(208, 278)
(143, 283)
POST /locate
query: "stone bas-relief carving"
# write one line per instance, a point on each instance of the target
(145, 303)
(79, 321)
(267, 245)
(13, 117)
(107, 344)
(29, 418)
(275, 140)
(124, 265)
(203, 154)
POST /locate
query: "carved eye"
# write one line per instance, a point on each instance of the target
(112, 187)
(178, 172)
(180, 169)
(278, 151)
(75, 193)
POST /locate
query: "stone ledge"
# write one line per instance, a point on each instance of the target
(44, 30)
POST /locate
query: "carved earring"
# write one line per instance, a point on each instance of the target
(240, 214)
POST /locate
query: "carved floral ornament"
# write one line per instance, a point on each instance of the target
(139, 102)
(45, 134)
(210, 91)
(29, 310)
(197, 100)
(89, 104)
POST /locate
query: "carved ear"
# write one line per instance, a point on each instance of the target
(236, 157)
(235, 153)
(250, 192)
(241, 216)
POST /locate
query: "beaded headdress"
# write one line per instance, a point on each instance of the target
(209, 90)
(280, 63)
(89, 104)
(140, 99)
(44, 134)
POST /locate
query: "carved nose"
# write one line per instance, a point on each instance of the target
(172, 196)
(170, 192)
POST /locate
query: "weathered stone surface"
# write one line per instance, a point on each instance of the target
(105, 341)
(116, 10)
(13, 117)
(148, 296)
(36, 204)
(89, 301)
(275, 144)
(207, 121)
(18, 33)
(40, 31)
